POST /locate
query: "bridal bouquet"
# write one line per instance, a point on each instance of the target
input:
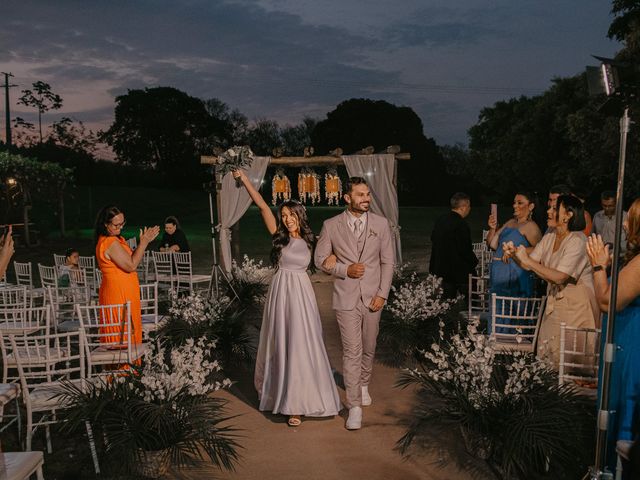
(236, 157)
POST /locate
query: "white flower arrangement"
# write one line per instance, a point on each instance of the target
(251, 271)
(188, 372)
(195, 308)
(415, 299)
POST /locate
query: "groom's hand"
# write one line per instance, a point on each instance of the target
(355, 270)
(376, 303)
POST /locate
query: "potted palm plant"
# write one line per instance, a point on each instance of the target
(158, 414)
(507, 409)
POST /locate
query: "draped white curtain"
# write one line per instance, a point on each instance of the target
(379, 171)
(234, 201)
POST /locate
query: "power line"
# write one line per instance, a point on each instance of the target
(7, 107)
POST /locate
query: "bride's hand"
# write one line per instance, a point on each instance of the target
(238, 174)
(330, 262)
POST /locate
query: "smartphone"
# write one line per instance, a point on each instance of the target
(494, 211)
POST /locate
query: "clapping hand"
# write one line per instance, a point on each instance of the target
(597, 251)
(508, 251)
(149, 234)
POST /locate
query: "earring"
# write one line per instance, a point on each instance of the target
(530, 215)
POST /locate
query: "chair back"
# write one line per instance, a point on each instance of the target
(143, 267)
(12, 298)
(579, 355)
(48, 276)
(78, 277)
(479, 247)
(88, 263)
(184, 270)
(515, 321)
(485, 257)
(478, 299)
(163, 267)
(485, 234)
(149, 306)
(59, 260)
(47, 358)
(107, 330)
(98, 274)
(63, 301)
(24, 273)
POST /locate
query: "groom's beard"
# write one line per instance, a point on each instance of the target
(359, 208)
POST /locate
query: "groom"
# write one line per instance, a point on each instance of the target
(361, 243)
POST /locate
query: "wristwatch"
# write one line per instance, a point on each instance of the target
(597, 268)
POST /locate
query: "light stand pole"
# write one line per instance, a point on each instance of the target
(216, 270)
(597, 472)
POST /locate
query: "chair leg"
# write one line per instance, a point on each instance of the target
(39, 474)
(29, 432)
(47, 431)
(618, 467)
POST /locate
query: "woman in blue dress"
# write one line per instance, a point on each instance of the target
(507, 278)
(624, 387)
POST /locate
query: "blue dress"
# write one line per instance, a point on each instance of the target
(624, 387)
(509, 279)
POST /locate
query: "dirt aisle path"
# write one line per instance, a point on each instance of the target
(322, 448)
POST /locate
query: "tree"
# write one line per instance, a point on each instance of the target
(295, 138)
(162, 128)
(263, 136)
(235, 123)
(358, 123)
(74, 135)
(42, 98)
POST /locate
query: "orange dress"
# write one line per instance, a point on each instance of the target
(119, 286)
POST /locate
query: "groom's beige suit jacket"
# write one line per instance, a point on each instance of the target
(376, 252)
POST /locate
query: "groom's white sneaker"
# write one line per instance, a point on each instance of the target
(366, 398)
(354, 422)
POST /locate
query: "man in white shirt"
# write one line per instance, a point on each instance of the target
(604, 222)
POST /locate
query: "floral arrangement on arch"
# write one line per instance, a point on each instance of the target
(309, 186)
(280, 187)
(507, 406)
(160, 412)
(332, 186)
(234, 158)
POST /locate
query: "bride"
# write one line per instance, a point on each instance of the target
(292, 376)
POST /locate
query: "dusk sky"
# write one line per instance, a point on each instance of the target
(286, 59)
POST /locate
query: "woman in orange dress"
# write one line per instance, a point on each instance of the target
(118, 265)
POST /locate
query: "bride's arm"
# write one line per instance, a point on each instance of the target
(265, 210)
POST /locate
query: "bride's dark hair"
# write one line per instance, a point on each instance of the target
(281, 237)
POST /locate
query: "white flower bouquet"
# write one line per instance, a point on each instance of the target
(234, 158)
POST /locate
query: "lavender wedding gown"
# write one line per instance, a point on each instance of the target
(293, 375)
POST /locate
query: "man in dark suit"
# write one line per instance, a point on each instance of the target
(452, 256)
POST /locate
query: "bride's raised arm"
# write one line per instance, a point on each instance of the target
(265, 210)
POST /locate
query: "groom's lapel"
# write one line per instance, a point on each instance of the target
(347, 234)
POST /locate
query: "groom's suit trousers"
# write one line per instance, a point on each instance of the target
(358, 330)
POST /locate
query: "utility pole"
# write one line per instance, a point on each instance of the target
(7, 108)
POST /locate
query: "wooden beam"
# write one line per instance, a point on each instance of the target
(302, 161)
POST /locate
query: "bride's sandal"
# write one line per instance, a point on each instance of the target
(294, 421)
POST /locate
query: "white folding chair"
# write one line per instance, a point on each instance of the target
(185, 279)
(59, 260)
(107, 330)
(132, 242)
(27, 321)
(149, 307)
(9, 392)
(478, 299)
(98, 276)
(478, 248)
(51, 359)
(14, 298)
(485, 257)
(485, 233)
(78, 277)
(22, 465)
(579, 357)
(88, 263)
(515, 322)
(48, 276)
(143, 267)
(24, 274)
(63, 301)
(163, 268)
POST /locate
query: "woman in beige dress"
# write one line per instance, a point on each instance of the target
(561, 260)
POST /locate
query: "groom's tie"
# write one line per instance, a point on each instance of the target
(357, 227)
